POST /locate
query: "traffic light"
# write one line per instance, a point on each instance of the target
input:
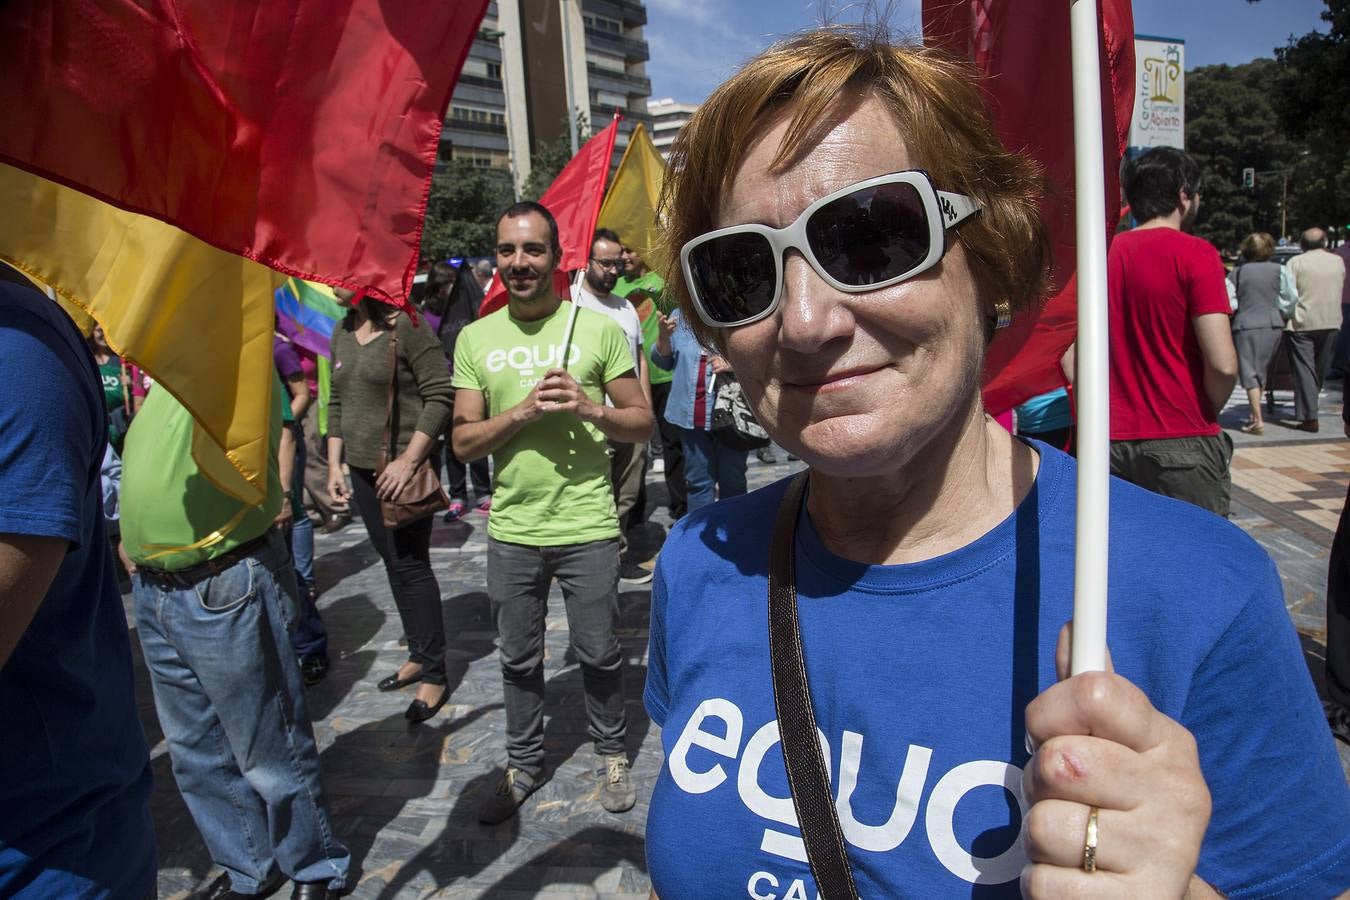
(1248, 178)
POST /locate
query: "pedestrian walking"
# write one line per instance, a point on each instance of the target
(1263, 296)
(1319, 279)
(390, 402)
(1172, 363)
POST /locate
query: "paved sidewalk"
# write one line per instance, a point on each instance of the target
(405, 799)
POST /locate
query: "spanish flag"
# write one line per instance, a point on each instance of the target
(166, 163)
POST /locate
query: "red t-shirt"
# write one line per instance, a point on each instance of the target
(1160, 279)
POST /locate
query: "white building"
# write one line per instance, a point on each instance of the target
(668, 115)
(513, 94)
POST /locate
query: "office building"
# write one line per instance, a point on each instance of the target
(668, 116)
(513, 94)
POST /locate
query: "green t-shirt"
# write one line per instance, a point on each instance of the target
(552, 479)
(110, 373)
(171, 513)
(647, 294)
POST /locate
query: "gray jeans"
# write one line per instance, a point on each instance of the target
(1194, 469)
(518, 580)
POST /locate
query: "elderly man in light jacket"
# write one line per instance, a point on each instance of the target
(1319, 277)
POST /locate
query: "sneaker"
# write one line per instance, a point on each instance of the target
(634, 573)
(314, 669)
(455, 512)
(766, 456)
(484, 504)
(616, 790)
(511, 792)
(658, 466)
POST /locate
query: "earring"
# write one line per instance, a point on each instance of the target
(1003, 314)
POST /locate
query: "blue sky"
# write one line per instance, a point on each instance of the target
(695, 44)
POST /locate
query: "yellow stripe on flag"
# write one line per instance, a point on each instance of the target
(197, 319)
(630, 205)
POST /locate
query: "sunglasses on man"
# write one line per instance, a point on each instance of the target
(867, 236)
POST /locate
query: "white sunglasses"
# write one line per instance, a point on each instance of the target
(864, 237)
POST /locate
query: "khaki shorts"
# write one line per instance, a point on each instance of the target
(1194, 469)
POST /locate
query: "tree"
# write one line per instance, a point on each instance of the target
(1314, 107)
(1232, 123)
(462, 209)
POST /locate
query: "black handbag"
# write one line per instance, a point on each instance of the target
(808, 778)
(733, 422)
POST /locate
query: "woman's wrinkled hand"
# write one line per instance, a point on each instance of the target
(1100, 743)
(395, 477)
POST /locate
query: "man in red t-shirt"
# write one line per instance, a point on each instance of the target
(1173, 365)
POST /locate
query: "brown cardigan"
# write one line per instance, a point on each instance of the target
(361, 388)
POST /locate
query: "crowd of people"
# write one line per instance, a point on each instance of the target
(850, 236)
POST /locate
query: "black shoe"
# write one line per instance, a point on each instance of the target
(312, 890)
(220, 889)
(1338, 718)
(335, 524)
(511, 792)
(766, 456)
(314, 669)
(634, 573)
(418, 711)
(394, 683)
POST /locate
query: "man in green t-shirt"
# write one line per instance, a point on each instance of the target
(216, 602)
(646, 291)
(531, 381)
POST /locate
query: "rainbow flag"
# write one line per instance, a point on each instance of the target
(307, 313)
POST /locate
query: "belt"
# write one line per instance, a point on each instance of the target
(193, 575)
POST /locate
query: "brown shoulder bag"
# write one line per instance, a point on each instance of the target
(423, 495)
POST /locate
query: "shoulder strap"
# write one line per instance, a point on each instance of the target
(807, 775)
(392, 395)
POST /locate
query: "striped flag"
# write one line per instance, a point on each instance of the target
(307, 313)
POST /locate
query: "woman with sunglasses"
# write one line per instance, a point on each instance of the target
(851, 234)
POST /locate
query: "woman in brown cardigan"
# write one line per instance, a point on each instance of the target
(356, 422)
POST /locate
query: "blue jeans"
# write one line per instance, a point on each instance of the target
(310, 637)
(711, 468)
(230, 700)
(518, 579)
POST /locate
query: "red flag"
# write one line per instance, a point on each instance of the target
(574, 198)
(300, 135)
(1023, 48)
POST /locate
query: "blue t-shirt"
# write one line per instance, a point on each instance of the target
(920, 674)
(1045, 412)
(74, 768)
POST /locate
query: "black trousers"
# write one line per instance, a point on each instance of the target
(672, 453)
(1338, 613)
(456, 484)
(406, 553)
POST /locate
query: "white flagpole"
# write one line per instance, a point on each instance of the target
(571, 321)
(1093, 399)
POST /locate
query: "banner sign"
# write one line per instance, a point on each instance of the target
(1160, 93)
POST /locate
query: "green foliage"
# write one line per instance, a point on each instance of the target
(1314, 107)
(548, 160)
(1231, 124)
(462, 210)
(1287, 115)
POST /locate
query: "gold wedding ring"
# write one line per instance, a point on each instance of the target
(1090, 842)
